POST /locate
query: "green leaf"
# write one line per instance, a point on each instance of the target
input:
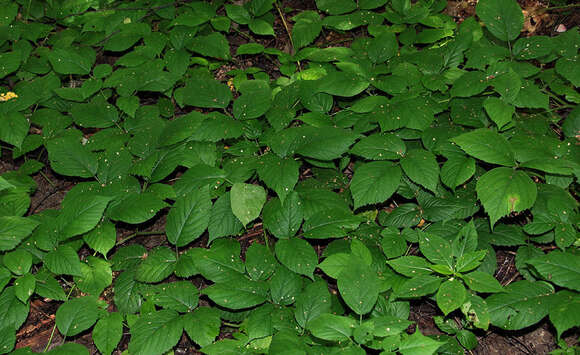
(77, 315)
(127, 36)
(283, 219)
(136, 208)
(158, 264)
(24, 287)
(469, 84)
(250, 48)
(297, 255)
(568, 68)
(383, 47)
(180, 296)
(419, 286)
(418, 344)
(285, 286)
(203, 92)
(108, 332)
(500, 112)
(470, 261)
(247, 201)
(565, 311)
(279, 174)
(238, 293)
(436, 249)
(97, 114)
(380, 147)
(421, 167)
(561, 268)
(213, 45)
(287, 342)
(327, 144)
(312, 302)
(337, 7)
(202, 325)
(260, 263)
(342, 84)
(359, 286)
(13, 128)
(523, 304)
(393, 243)
(200, 175)
(102, 238)
(68, 157)
(410, 265)
(63, 260)
(128, 104)
(13, 229)
(506, 235)
(504, 19)
(255, 100)
(13, 312)
(194, 18)
(238, 14)
(307, 27)
(218, 127)
(8, 13)
(155, 332)
(78, 60)
(534, 47)
(334, 264)
(48, 287)
(188, 218)
(486, 145)
(81, 215)
(5, 184)
(127, 292)
(457, 170)
(221, 263)
(11, 62)
(332, 327)
(451, 295)
(482, 282)
(467, 339)
(222, 221)
(333, 223)
(259, 322)
(7, 338)
(531, 96)
(18, 261)
(505, 190)
(261, 27)
(374, 182)
(5, 277)
(96, 276)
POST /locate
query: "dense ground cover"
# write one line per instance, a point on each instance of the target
(328, 177)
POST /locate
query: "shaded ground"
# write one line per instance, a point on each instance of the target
(39, 329)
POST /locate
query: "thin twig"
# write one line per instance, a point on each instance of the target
(54, 327)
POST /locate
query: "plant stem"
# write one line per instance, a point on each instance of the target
(54, 327)
(285, 26)
(569, 6)
(555, 97)
(136, 234)
(227, 324)
(47, 179)
(266, 239)
(288, 32)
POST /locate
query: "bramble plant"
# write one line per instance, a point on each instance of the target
(376, 173)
